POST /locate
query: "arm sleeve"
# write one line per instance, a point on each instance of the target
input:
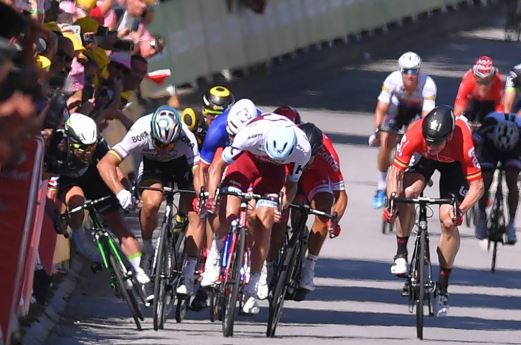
(215, 138)
(385, 93)
(429, 95)
(133, 141)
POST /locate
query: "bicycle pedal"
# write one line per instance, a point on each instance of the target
(95, 267)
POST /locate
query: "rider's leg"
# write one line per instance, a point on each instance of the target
(481, 224)
(322, 201)
(151, 201)
(388, 142)
(513, 200)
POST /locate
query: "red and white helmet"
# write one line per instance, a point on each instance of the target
(484, 68)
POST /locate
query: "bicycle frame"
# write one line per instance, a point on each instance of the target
(419, 285)
(496, 226)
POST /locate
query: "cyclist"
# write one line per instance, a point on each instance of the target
(321, 185)
(498, 139)
(406, 94)
(73, 153)
(218, 137)
(438, 142)
(290, 112)
(257, 157)
(512, 83)
(169, 152)
(216, 101)
(480, 91)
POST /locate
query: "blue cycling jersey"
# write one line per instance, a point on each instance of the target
(215, 137)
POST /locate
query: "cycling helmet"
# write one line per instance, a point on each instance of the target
(506, 133)
(81, 129)
(314, 135)
(192, 119)
(216, 100)
(484, 68)
(409, 61)
(166, 126)
(279, 143)
(438, 125)
(240, 114)
(290, 112)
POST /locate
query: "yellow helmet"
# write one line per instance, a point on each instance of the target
(189, 118)
(86, 5)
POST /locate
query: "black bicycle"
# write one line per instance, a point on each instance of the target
(167, 264)
(122, 277)
(419, 286)
(496, 225)
(288, 266)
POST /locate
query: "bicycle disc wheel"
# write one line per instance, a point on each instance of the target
(126, 292)
(231, 286)
(285, 271)
(161, 278)
(421, 286)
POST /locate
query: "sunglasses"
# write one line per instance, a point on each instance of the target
(410, 71)
(83, 148)
(162, 146)
(63, 54)
(207, 112)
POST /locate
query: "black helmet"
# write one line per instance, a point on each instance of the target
(438, 125)
(216, 100)
(314, 135)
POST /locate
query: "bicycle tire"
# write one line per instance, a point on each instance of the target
(284, 273)
(161, 278)
(231, 286)
(421, 286)
(126, 293)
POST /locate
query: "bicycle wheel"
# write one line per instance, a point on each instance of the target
(232, 284)
(125, 291)
(276, 304)
(421, 286)
(162, 274)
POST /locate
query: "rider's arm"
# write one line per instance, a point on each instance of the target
(216, 172)
(340, 205)
(107, 167)
(464, 90)
(290, 192)
(394, 181)
(201, 176)
(379, 113)
(508, 99)
(476, 189)
(429, 96)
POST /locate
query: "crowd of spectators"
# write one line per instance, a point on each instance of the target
(59, 57)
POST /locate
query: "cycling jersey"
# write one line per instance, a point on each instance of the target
(327, 160)
(139, 140)
(251, 138)
(423, 97)
(460, 148)
(60, 160)
(467, 92)
(513, 79)
(216, 137)
(489, 155)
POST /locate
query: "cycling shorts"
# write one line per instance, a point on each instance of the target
(248, 170)
(92, 186)
(176, 171)
(489, 157)
(398, 117)
(452, 180)
(477, 110)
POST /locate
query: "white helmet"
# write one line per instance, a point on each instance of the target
(81, 129)
(409, 60)
(166, 125)
(279, 142)
(506, 135)
(240, 114)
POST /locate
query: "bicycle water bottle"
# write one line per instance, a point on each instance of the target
(226, 249)
(181, 220)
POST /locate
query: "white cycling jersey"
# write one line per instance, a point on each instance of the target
(251, 138)
(393, 92)
(139, 140)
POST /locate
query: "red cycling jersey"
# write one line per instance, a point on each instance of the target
(460, 147)
(467, 90)
(327, 160)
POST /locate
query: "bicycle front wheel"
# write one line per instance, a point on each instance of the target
(162, 274)
(421, 286)
(125, 290)
(232, 283)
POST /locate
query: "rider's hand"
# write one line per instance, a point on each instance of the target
(333, 232)
(211, 206)
(374, 139)
(458, 218)
(388, 216)
(126, 199)
(277, 215)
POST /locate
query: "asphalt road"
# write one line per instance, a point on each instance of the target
(357, 299)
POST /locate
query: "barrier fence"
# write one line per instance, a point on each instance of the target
(203, 38)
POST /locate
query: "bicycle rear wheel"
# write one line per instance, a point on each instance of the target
(232, 283)
(162, 273)
(421, 286)
(126, 292)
